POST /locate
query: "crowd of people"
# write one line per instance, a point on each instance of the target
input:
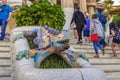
(84, 27)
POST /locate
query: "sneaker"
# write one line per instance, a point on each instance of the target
(103, 52)
(96, 56)
(114, 55)
(77, 43)
(80, 42)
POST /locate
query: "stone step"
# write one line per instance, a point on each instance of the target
(109, 68)
(5, 49)
(4, 43)
(6, 78)
(5, 73)
(5, 55)
(93, 51)
(106, 56)
(113, 76)
(90, 47)
(5, 63)
(74, 42)
(98, 61)
(10, 68)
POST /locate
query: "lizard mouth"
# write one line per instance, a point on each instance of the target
(66, 41)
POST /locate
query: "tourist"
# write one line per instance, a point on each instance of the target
(115, 34)
(96, 27)
(102, 18)
(111, 26)
(80, 22)
(86, 31)
(5, 14)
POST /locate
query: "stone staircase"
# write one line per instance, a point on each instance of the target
(6, 62)
(110, 65)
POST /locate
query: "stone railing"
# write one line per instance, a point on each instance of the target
(25, 69)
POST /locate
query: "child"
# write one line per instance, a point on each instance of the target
(86, 30)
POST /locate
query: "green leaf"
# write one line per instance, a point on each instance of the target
(39, 14)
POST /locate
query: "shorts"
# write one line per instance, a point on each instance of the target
(86, 33)
(115, 40)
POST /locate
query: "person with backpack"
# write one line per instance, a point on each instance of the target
(115, 34)
(102, 18)
(80, 22)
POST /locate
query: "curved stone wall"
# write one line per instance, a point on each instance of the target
(25, 69)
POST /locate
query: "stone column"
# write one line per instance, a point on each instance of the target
(68, 9)
(91, 7)
(67, 3)
(91, 11)
(83, 5)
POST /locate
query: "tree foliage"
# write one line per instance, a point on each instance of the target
(109, 4)
(40, 14)
(116, 20)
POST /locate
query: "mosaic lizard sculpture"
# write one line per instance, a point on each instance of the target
(51, 41)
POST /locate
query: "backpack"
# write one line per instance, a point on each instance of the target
(102, 19)
(117, 34)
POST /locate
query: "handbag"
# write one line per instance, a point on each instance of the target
(94, 37)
